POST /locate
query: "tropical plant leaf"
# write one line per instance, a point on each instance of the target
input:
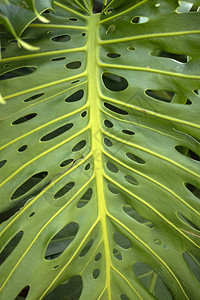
(100, 154)
(15, 15)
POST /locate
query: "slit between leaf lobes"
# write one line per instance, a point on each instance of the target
(95, 123)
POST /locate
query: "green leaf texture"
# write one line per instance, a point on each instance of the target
(100, 154)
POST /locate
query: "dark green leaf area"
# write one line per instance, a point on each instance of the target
(187, 152)
(193, 263)
(151, 281)
(22, 71)
(114, 82)
(70, 289)
(29, 184)
(61, 241)
(123, 297)
(130, 211)
(11, 245)
(53, 134)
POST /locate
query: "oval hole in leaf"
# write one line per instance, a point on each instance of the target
(115, 109)
(117, 254)
(34, 97)
(78, 95)
(64, 190)
(85, 198)
(24, 293)
(32, 214)
(83, 114)
(29, 184)
(74, 65)
(145, 275)
(112, 189)
(24, 119)
(75, 81)
(2, 163)
(87, 248)
(113, 55)
(23, 71)
(178, 57)
(114, 82)
(193, 263)
(87, 167)
(165, 96)
(135, 158)
(157, 241)
(123, 297)
(122, 240)
(71, 290)
(66, 162)
(110, 29)
(139, 20)
(131, 180)
(108, 124)
(61, 38)
(80, 145)
(131, 48)
(3, 49)
(130, 211)
(107, 142)
(187, 152)
(11, 245)
(22, 148)
(129, 132)
(98, 257)
(96, 273)
(111, 167)
(193, 189)
(61, 240)
(55, 133)
(73, 19)
(58, 58)
(83, 34)
(188, 222)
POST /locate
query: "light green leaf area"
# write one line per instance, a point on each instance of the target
(100, 154)
(16, 15)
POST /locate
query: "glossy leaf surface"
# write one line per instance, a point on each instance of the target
(100, 153)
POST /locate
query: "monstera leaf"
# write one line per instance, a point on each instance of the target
(100, 153)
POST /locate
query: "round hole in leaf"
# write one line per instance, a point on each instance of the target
(83, 34)
(83, 114)
(2, 163)
(113, 55)
(61, 38)
(131, 48)
(107, 142)
(114, 82)
(74, 65)
(24, 119)
(80, 145)
(122, 240)
(98, 257)
(96, 273)
(87, 248)
(117, 254)
(110, 29)
(34, 97)
(111, 167)
(112, 189)
(128, 132)
(108, 124)
(22, 148)
(66, 162)
(131, 180)
(78, 95)
(87, 167)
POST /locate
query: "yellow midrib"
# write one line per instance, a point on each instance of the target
(96, 136)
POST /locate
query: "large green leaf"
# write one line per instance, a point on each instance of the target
(100, 153)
